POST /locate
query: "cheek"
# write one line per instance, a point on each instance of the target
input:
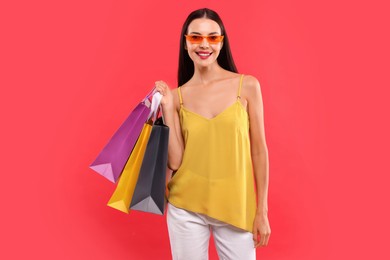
(191, 51)
(191, 47)
(217, 48)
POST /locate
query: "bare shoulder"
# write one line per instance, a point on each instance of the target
(175, 96)
(250, 83)
(250, 86)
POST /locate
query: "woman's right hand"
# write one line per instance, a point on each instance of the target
(165, 91)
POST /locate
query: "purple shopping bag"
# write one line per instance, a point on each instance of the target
(111, 160)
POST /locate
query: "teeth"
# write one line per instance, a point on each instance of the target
(204, 54)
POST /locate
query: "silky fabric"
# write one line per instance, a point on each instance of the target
(215, 177)
(189, 235)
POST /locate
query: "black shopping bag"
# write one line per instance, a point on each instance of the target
(149, 193)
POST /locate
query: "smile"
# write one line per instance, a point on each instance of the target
(204, 55)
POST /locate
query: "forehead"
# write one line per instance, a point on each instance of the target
(203, 26)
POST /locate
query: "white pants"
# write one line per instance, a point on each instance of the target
(189, 234)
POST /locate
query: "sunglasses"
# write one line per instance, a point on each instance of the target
(197, 39)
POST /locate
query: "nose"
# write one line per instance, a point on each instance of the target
(204, 43)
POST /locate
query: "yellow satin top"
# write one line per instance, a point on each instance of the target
(216, 177)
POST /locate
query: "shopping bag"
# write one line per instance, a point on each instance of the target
(113, 157)
(149, 193)
(123, 193)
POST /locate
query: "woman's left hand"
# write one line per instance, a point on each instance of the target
(261, 228)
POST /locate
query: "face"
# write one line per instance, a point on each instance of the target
(203, 53)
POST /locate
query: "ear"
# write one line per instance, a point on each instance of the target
(185, 46)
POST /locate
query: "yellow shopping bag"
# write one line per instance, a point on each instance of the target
(124, 191)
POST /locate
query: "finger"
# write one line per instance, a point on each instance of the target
(158, 84)
(257, 241)
(159, 88)
(164, 87)
(254, 233)
(267, 238)
(262, 239)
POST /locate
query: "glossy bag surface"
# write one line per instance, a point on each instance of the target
(113, 157)
(123, 193)
(149, 193)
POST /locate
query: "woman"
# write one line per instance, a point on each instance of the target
(212, 148)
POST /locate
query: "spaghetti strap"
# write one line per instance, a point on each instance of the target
(239, 89)
(180, 98)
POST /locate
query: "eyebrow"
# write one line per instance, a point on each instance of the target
(200, 34)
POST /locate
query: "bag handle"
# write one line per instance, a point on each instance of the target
(162, 114)
(154, 108)
(151, 92)
(146, 100)
(155, 105)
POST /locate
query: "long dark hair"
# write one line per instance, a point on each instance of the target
(186, 65)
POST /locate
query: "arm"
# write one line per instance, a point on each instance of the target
(259, 154)
(170, 110)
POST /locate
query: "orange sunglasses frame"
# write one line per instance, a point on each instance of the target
(208, 37)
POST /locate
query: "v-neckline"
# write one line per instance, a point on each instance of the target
(223, 111)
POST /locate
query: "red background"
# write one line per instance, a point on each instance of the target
(71, 71)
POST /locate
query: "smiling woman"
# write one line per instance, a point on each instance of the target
(217, 148)
(201, 51)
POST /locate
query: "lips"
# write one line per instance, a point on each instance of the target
(203, 55)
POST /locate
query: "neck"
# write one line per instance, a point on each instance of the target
(204, 75)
